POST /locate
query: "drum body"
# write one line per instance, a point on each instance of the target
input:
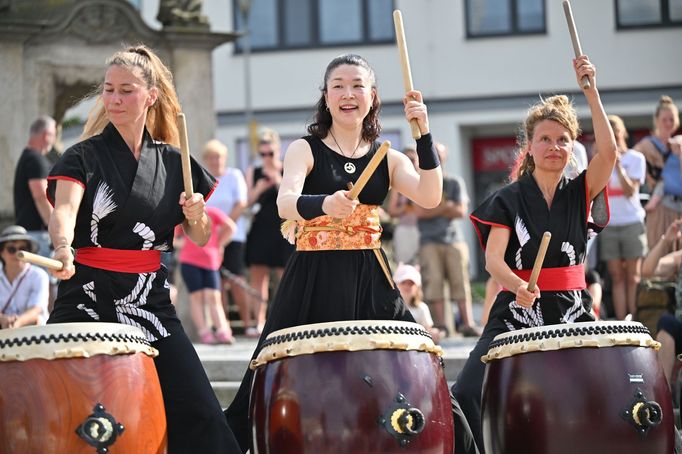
(601, 390)
(350, 398)
(77, 388)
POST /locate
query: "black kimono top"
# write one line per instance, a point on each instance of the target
(127, 205)
(521, 208)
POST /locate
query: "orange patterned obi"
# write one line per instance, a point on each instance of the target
(360, 230)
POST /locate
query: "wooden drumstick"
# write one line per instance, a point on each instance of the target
(405, 64)
(574, 38)
(40, 260)
(184, 155)
(537, 266)
(369, 170)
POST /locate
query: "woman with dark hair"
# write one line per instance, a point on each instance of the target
(338, 271)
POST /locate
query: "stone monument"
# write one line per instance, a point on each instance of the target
(52, 54)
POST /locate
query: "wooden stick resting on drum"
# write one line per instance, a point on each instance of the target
(537, 266)
(405, 63)
(184, 154)
(40, 260)
(369, 170)
(574, 38)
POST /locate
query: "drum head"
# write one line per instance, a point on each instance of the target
(569, 335)
(345, 336)
(72, 340)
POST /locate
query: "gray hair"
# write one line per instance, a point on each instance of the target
(41, 124)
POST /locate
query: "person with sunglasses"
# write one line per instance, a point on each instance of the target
(24, 288)
(265, 247)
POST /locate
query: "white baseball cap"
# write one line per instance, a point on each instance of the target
(407, 273)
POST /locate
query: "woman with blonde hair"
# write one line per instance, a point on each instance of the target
(511, 222)
(118, 196)
(664, 177)
(623, 243)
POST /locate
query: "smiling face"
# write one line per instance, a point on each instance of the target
(551, 146)
(126, 97)
(349, 94)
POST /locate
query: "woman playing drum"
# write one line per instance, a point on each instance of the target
(338, 271)
(118, 196)
(511, 223)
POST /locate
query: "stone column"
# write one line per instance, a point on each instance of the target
(14, 130)
(192, 72)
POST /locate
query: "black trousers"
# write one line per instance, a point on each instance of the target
(467, 392)
(196, 422)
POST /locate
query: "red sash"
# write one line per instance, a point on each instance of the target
(557, 279)
(119, 260)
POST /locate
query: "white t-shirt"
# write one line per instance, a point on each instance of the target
(231, 189)
(421, 314)
(627, 210)
(31, 288)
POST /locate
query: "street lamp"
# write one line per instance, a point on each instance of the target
(245, 9)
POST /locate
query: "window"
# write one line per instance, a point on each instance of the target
(296, 24)
(648, 13)
(504, 17)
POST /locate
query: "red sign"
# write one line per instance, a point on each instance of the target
(496, 154)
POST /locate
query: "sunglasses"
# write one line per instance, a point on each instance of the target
(266, 154)
(13, 249)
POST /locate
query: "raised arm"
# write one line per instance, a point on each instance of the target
(600, 168)
(424, 187)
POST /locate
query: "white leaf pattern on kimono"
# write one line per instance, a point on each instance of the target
(101, 207)
(569, 250)
(129, 321)
(575, 311)
(89, 290)
(94, 315)
(523, 237)
(132, 310)
(138, 295)
(526, 317)
(142, 282)
(147, 235)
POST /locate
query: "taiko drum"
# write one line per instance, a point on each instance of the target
(79, 388)
(351, 387)
(583, 388)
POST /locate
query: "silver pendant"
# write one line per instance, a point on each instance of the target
(349, 167)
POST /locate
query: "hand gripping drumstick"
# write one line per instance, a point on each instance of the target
(405, 63)
(184, 155)
(40, 260)
(574, 38)
(537, 266)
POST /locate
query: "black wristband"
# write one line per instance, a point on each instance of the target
(310, 206)
(428, 156)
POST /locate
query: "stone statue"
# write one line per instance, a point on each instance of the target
(181, 13)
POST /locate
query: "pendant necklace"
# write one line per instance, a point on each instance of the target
(349, 167)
